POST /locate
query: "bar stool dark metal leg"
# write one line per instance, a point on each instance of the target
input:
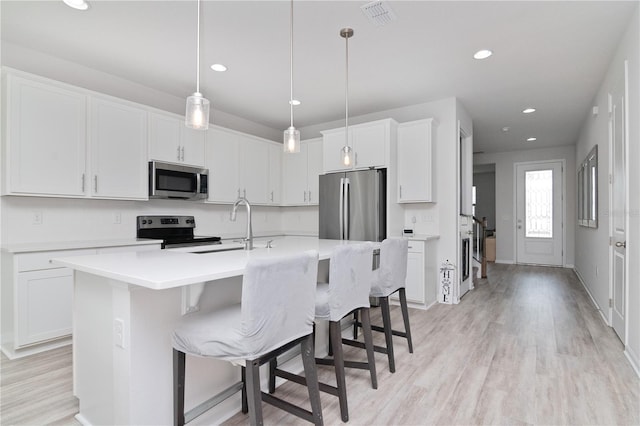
(308, 360)
(336, 337)
(388, 333)
(368, 342)
(243, 393)
(405, 317)
(355, 325)
(254, 394)
(273, 364)
(178, 387)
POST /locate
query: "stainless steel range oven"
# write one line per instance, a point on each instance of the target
(175, 231)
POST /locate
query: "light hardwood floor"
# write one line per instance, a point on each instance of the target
(525, 347)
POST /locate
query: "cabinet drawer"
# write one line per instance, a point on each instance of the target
(40, 260)
(416, 246)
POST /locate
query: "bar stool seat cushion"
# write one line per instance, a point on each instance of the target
(216, 334)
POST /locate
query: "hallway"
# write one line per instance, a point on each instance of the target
(525, 347)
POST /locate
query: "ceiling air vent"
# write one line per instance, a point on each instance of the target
(378, 12)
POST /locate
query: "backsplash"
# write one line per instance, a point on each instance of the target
(40, 219)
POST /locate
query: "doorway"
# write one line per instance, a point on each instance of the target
(539, 213)
(618, 204)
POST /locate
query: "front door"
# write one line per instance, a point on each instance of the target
(539, 211)
(618, 187)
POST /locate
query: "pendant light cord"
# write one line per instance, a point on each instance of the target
(291, 63)
(346, 93)
(198, 52)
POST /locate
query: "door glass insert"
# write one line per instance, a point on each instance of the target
(539, 203)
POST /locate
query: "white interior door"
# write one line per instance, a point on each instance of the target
(618, 218)
(539, 213)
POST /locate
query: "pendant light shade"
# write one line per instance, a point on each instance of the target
(291, 142)
(197, 110)
(346, 153)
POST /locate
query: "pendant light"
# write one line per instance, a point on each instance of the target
(197, 111)
(291, 143)
(346, 153)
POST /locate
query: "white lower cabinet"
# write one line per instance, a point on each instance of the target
(420, 286)
(37, 299)
(44, 305)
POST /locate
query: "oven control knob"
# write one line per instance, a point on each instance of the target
(144, 221)
(150, 221)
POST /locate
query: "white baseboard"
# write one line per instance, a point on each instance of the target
(633, 358)
(569, 266)
(593, 300)
(505, 262)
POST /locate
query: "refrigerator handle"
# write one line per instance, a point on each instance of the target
(347, 213)
(341, 209)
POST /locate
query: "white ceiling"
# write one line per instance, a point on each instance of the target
(548, 54)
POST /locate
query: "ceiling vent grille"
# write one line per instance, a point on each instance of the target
(378, 12)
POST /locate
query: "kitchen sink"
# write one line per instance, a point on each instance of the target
(218, 250)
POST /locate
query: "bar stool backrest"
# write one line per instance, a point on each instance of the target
(392, 273)
(278, 300)
(350, 277)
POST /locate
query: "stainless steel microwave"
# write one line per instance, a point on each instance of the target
(168, 180)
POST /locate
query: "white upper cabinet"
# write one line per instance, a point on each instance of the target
(45, 138)
(300, 174)
(371, 144)
(222, 159)
(254, 169)
(239, 165)
(416, 161)
(118, 150)
(275, 174)
(170, 140)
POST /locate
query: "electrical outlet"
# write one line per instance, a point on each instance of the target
(118, 332)
(37, 218)
(117, 218)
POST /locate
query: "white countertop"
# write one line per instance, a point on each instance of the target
(423, 237)
(162, 269)
(73, 245)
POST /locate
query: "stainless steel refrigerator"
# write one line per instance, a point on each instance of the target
(353, 205)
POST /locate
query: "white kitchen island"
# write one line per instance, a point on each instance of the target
(125, 308)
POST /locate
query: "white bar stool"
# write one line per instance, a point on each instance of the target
(387, 279)
(275, 314)
(350, 276)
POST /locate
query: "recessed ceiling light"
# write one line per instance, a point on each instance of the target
(531, 139)
(77, 4)
(482, 54)
(218, 67)
(505, 129)
(294, 102)
(528, 110)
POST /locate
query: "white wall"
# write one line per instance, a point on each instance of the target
(593, 244)
(69, 72)
(505, 191)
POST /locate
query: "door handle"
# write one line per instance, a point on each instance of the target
(621, 244)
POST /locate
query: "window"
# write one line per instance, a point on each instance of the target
(539, 203)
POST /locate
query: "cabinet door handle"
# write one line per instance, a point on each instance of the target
(244, 193)
(238, 192)
(355, 163)
(309, 196)
(272, 196)
(95, 183)
(305, 196)
(83, 182)
(400, 191)
(178, 152)
(182, 153)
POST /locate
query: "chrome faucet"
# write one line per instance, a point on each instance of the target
(248, 241)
